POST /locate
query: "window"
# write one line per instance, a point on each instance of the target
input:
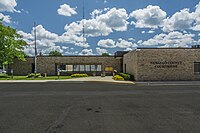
(197, 67)
(99, 68)
(93, 67)
(87, 68)
(69, 68)
(62, 67)
(82, 68)
(76, 68)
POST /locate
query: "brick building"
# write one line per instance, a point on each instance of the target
(68, 65)
(163, 64)
(146, 64)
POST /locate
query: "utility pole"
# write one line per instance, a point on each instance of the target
(35, 70)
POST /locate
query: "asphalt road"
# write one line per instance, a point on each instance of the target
(98, 108)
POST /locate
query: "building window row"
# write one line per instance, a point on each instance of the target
(80, 68)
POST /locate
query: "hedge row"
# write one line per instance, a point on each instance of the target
(79, 75)
(118, 77)
(126, 76)
(32, 75)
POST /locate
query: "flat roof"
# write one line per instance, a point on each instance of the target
(165, 48)
(72, 56)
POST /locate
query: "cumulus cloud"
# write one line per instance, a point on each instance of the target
(101, 51)
(172, 39)
(196, 15)
(125, 44)
(8, 5)
(42, 46)
(66, 10)
(149, 17)
(179, 21)
(42, 33)
(47, 41)
(100, 25)
(6, 18)
(86, 52)
(108, 43)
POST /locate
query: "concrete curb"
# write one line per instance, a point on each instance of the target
(66, 81)
(169, 83)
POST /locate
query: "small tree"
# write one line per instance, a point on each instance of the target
(11, 45)
(105, 54)
(55, 53)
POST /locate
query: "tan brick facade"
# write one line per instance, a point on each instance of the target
(162, 64)
(48, 64)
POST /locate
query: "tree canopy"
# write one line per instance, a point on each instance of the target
(55, 53)
(11, 45)
(105, 54)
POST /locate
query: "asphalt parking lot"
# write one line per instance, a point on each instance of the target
(98, 108)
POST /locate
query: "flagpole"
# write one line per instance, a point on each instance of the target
(35, 70)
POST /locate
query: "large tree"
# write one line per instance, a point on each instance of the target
(11, 45)
(55, 53)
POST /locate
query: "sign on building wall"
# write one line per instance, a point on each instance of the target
(166, 64)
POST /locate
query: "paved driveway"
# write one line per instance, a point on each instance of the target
(98, 108)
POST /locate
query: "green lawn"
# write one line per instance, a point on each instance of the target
(6, 77)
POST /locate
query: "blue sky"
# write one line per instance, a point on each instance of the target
(110, 25)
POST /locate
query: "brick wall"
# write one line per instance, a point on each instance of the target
(48, 64)
(163, 64)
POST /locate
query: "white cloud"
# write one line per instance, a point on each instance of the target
(96, 13)
(149, 17)
(8, 5)
(108, 43)
(172, 39)
(143, 32)
(42, 46)
(125, 44)
(115, 19)
(86, 52)
(25, 35)
(6, 18)
(42, 33)
(179, 21)
(151, 32)
(73, 39)
(196, 15)
(131, 39)
(100, 25)
(66, 10)
(101, 51)
(64, 47)
(140, 41)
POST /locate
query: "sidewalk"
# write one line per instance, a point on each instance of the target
(169, 83)
(107, 79)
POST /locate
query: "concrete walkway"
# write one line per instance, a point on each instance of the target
(162, 83)
(100, 79)
(107, 79)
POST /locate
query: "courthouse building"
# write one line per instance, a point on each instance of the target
(146, 64)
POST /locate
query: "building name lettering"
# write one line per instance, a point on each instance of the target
(166, 64)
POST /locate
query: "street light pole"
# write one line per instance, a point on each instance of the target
(35, 70)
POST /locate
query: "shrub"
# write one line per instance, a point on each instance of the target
(118, 77)
(33, 75)
(126, 76)
(79, 75)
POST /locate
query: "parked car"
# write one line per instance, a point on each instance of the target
(2, 71)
